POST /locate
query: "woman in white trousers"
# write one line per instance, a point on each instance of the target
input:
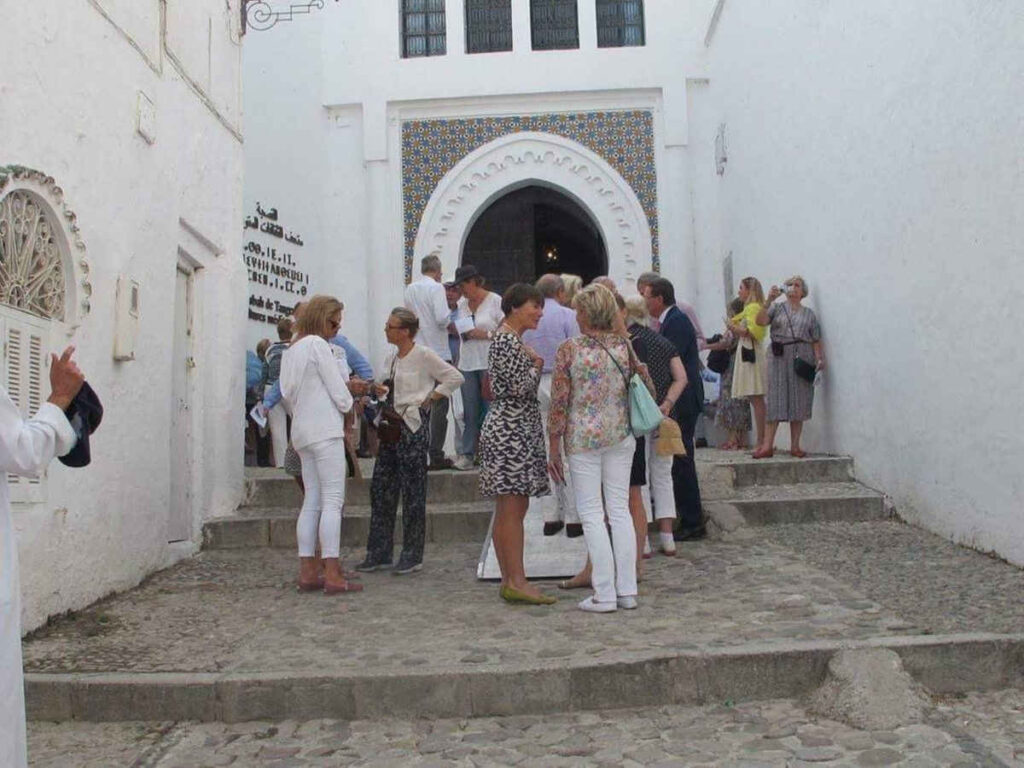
(317, 396)
(590, 417)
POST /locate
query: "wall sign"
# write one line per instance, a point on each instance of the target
(272, 256)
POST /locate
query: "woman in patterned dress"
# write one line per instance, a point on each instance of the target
(513, 464)
(795, 331)
(732, 414)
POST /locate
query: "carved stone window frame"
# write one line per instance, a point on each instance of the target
(63, 226)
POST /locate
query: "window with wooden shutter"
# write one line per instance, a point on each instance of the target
(488, 26)
(620, 23)
(423, 28)
(25, 351)
(554, 24)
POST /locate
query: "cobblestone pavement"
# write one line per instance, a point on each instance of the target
(979, 730)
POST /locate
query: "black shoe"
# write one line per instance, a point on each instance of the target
(406, 566)
(574, 530)
(550, 529)
(439, 465)
(369, 565)
(700, 442)
(690, 534)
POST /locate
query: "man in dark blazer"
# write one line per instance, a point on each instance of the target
(677, 328)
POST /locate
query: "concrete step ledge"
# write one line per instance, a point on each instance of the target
(945, 664)
(280, 490)
(275, 526)
(804, 503)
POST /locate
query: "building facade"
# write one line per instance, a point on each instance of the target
(120, 197)
(873, 149)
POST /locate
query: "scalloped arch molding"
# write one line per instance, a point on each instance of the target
(523, 159)
(76, 265)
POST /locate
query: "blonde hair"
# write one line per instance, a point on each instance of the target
(636, 310)
(262, 347)
(315, 315)
(573, 284)
(803, 284)
(597, 305)
(753, 285)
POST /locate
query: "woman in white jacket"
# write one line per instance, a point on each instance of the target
(316, 394)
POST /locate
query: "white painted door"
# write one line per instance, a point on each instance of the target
(179, 523)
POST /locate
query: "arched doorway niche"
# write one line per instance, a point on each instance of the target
(543, 160)
(532, 230)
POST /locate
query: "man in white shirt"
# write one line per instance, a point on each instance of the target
(426, 298)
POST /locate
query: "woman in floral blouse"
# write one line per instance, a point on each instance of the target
(590, 416)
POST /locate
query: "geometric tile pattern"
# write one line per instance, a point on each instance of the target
(431, 148)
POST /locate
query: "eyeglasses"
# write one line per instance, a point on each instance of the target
(390, 327)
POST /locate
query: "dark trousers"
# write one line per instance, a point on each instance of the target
(684, 480)
(438, 430)
(401, 468)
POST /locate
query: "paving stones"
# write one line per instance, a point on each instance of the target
(666, 736)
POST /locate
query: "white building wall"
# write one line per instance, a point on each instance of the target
(876, 149)
(68, 100)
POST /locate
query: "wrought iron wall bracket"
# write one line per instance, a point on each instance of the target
(260, 16)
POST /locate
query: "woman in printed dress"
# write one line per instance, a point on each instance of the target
(513, 464)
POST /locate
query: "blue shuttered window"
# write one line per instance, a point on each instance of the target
(423, 28)
(554, 24)
(620, 23)
(488, 26)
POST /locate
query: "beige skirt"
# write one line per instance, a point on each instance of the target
(748, 378)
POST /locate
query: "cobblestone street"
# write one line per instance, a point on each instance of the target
(977, 730)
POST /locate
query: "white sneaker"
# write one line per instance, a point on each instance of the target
(668, 544)
(627, 601)
(590, 605)
(463, 463)
(647, 546)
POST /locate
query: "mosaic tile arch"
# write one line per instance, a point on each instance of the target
(431, 148)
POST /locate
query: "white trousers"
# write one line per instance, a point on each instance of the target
(323, 475)
(613, 563)
(659, 480)
(561, 504)
(277, 420)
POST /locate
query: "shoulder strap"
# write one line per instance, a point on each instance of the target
(629, 347)
(792, 333)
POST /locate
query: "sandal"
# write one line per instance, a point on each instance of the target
(798, 454)
(310, 586)
(345, 586)
(762, 454)
(573, 584)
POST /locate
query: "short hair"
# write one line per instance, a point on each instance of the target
(597, 305)
(663, 288)
(431, 263)
(636, 310)
(407, 319)
(316, 313)
(572, 284)
(607, 282)
(284, 328)
(736, 306)
(754, 286)
(646, 278)
(519, 294)
(262, 347)
(550, 284)
(803, 284)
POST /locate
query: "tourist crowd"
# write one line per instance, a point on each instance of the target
(566, 396)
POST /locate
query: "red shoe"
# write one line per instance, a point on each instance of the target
(345, 586)
(760, 453)
(310, 586)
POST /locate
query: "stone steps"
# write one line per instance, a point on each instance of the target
(945, 664)
(802, 503)
(276, 489)
(275, 526)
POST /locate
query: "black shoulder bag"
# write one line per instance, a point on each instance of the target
(805, 370)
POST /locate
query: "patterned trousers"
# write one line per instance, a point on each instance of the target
(401, 468)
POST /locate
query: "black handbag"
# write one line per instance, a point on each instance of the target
(748, 354)
(718, 360)
(805, 370)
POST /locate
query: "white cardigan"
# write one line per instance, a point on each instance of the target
(417, 375)
(314, 392)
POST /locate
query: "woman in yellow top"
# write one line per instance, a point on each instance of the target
(748, 380)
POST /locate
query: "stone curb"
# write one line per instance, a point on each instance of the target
(942, 663)
(447, 487)
(453, 523)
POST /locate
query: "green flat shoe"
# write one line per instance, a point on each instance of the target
(513, 595)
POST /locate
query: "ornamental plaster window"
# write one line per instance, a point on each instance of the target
(423, 28)
(488, 26)
(43, 291)
(620, 23)
(554, 24)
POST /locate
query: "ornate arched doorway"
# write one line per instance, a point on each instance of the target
(538, 160)
(531, 231)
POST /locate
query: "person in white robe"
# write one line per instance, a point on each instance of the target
(27, 446)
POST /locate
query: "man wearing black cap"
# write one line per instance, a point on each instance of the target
(26, 447)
